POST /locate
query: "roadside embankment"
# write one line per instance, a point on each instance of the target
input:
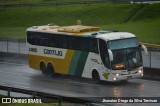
(151, 73)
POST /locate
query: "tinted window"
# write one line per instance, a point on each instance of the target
(33, 38)
(43, 39)
(53, 41)
(93, 45)
(72, 42)
(83, 44)
(63, 41)
(104, 53)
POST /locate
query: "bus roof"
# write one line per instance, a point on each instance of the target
(80, 30)
(72, 30)
(115, 36)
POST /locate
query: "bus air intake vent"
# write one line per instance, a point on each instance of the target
(78, 29)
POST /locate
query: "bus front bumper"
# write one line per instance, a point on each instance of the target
(126, 77)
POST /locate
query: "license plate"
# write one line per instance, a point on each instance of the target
(129, 77)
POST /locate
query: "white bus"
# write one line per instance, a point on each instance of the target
(84, 51)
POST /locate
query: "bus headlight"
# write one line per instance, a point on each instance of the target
(114, 79)
(116, 74)
(140, 71)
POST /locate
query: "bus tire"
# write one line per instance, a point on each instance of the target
(43, 68)
(95, 76)
(50, 70)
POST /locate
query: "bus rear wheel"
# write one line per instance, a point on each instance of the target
(43, 68)
(95, 76)
(50, 70)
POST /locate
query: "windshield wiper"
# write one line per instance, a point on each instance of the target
(131, 58)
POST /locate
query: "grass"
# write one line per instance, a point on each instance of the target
(19, 19)
(13, 32)
(146, 31)
(65, 15)
(145, 23)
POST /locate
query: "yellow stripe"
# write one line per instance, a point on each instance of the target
(60, 65)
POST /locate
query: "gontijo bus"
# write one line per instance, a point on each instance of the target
(84, 51)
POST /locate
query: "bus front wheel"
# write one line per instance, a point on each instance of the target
(95, 76)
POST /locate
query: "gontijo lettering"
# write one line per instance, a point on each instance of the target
(53, 52)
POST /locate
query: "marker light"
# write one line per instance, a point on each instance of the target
(119, 66)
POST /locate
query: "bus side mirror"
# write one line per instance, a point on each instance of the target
(145, 49)
(110, 55)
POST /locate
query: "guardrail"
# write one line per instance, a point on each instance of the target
(153, 46)
(152, 60)
(46, 97)
(63, 3)
(13, 46)
(145, 1)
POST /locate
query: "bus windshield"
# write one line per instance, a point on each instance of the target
(126, 53)
(123, 43)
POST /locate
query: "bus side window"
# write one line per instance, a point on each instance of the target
(72, 42)
(83, 43)
(35, 38)
(93, 45)
(104, 53)
(46, 42)
(53, 41)
(43, 39)
(62, 43)
(30, 38)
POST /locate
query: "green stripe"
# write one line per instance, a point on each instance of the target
(81, 63)
(74, 62)
(78, 62)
